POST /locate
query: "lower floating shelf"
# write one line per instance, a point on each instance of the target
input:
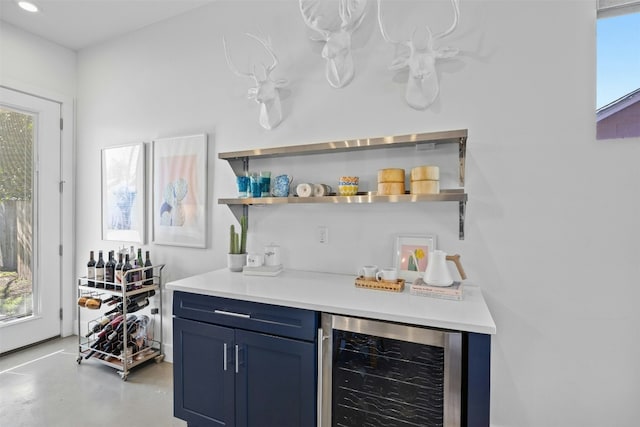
(239, 207)
(455, 195)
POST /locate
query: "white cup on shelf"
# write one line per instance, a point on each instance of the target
(368, 272)
(389, 274)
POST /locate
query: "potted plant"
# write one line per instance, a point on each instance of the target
(237, 257)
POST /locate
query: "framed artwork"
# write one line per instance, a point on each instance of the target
(411, 255)
(123, 193)
(180, 191)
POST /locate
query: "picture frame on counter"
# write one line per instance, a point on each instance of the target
(411, 255)
(180, 191)
(123, 193)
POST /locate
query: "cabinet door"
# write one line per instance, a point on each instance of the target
(276, 381)
(203, 385)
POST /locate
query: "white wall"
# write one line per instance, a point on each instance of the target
(551, 233)
(38, 67)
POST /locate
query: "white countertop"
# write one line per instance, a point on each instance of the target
(337, 293)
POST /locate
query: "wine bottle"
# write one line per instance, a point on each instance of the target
(111, 300)
(100, 271)
(102, 336)
(127, 278)
(118, 333)
(139, 297)
(97, 327)
(118, 272)
(148, 273)
(139, 264)
(134, 298)
(132, 307)
(109, 272)
(91, 271)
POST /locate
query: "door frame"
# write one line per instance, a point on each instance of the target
(68, 324)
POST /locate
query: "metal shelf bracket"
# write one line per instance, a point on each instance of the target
(462, 206)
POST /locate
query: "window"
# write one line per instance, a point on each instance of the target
(618, 69)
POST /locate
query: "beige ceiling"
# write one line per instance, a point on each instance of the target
(77, 24)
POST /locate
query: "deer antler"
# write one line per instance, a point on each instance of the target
(266, 43)
(456, 15)
(352, 13)
(385, 36)
(309, 16)
(232, 67)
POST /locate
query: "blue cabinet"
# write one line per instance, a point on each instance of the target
(203, 384)
(276, 381)
(238, 363)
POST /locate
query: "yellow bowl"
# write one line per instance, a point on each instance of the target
(347, 190)
(349, 180)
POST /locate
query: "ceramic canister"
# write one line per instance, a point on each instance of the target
(272, 255)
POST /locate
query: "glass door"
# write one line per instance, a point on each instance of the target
(388, 374)
(30, 148)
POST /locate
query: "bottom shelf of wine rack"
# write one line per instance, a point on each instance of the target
(118, 362)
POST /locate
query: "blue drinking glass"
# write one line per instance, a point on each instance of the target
(243, 185)
(255, 185)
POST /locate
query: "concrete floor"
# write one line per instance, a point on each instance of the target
(43, 386)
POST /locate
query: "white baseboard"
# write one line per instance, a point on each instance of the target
(168, 352)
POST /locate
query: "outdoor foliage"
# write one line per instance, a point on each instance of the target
(16, 160)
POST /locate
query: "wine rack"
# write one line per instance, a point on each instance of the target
(121, 336)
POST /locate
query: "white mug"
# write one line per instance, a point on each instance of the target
(255, 260)
(272, 255)
(368, 272)
(320, 190)
(387, 275)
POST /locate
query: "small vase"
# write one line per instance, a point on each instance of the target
(235, 262)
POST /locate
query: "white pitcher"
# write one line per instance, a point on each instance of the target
(437, 272)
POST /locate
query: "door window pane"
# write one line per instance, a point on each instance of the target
(16, 218)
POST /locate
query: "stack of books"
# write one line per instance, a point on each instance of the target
(263, 270)
(452, 292)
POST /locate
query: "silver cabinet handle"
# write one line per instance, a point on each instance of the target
(224, 356)
(232, 313)
(237, 358)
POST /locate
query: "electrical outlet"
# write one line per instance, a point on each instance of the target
(323, 234)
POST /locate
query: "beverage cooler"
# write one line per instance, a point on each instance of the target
(387, 374)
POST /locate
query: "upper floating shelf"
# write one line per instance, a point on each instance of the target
(445, 137)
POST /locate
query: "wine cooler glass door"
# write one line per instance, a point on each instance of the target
(386, 374)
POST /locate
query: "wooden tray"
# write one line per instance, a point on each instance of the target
(398, 286)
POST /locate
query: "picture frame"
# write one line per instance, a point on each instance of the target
(123, 199)
(411, 255)
(179, 203)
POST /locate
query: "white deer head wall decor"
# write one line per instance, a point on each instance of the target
(265, 92)
(419, 53)
(339, 68)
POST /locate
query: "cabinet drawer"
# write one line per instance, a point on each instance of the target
(271, 319)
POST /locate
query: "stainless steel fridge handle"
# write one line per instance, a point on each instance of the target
(321, 338)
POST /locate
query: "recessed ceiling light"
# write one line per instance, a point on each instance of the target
(28, 6)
